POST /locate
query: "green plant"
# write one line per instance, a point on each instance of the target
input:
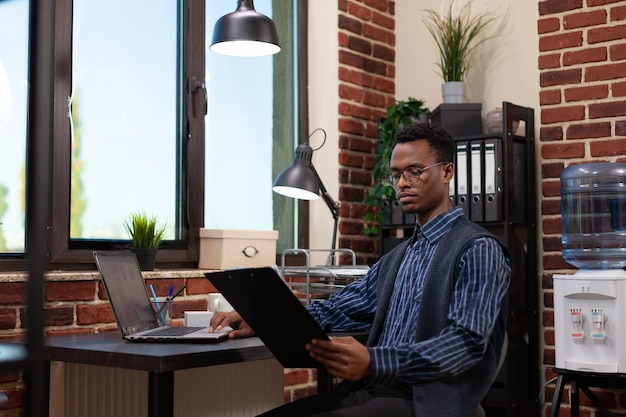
(401, 114)
(456, 34)
(144, 231)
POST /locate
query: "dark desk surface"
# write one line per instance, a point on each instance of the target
(108, 349)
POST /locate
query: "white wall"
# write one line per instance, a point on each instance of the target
(504, 67)
(323, 107)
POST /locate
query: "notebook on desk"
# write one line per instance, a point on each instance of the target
(131, 307)
(272, 310)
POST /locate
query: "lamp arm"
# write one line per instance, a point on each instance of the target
(332, 204)
(334, 209)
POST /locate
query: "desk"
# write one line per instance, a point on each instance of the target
(582, 381)
(160, 360)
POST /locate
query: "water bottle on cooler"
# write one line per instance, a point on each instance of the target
(593, 206)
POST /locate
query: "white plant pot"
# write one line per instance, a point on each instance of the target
(453, 92)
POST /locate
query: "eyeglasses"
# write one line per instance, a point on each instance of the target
(410, 175)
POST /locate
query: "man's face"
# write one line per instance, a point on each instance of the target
(420, 191)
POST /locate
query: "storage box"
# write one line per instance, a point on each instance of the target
(223, 249)
(459, 119)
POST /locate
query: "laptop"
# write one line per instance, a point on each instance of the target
(272, 310)
(131, 307)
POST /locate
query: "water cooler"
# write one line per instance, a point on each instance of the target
(590, 305)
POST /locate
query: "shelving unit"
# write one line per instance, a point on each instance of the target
(320, 280)
(505, 207)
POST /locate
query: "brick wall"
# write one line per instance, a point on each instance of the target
(366, 42)
(582, 64)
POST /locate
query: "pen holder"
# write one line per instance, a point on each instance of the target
(163, 311)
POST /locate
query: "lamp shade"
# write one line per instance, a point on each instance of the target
(245, 32)
(299, 180)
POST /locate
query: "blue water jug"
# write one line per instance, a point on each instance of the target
(593, 205)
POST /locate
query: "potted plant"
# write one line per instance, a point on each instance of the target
(402, 113)
(146, 236)
(456, 33)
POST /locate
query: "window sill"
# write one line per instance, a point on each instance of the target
(95, 275)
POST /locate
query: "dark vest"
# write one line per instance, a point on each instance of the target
(453, 396)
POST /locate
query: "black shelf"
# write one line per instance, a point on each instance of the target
(513, 221)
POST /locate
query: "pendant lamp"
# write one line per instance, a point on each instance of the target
(245, 32)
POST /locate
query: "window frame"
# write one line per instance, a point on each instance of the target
(60, 254)
(184, 252)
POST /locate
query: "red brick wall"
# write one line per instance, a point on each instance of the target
(366, 41)
(582, 65)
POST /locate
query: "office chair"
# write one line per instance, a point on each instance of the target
(480, 412)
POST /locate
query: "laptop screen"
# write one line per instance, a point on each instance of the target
(126, 290)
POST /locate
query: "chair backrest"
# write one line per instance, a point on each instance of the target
(480, 412)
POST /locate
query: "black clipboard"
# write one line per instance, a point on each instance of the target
(273, 311)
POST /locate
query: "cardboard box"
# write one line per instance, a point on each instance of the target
(223, 249)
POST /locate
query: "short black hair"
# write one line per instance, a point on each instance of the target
(439, 140)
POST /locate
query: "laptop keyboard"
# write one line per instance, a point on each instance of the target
(173, 331)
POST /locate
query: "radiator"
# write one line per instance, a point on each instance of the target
(233, 390)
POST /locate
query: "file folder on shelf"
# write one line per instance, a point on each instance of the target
(452, 190)
(462, 176)
(477, 208)
(478, 183)
(493, 180)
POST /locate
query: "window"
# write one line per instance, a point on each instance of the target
(250, 129)
(129, 143)
(124, 126)
(129, 126)
(13, 109)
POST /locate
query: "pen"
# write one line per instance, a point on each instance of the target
(178, 292)
(154, 296)
(169, 294)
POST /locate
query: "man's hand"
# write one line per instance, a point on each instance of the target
(343, 357)
(233, 319)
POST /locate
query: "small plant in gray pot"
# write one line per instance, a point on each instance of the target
(146, 235)
(457, 33)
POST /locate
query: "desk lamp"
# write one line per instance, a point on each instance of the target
(300, 180)
(245, 32)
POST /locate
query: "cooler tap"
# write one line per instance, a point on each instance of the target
(599, 320)
(577, 319)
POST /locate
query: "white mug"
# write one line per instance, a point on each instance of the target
(217, 302)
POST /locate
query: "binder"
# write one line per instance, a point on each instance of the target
(462, 176)
(477, 205)
(386, 205)
(397, 213)
(493, 181)
(452, 191)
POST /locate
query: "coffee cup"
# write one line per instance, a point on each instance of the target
(217, 302)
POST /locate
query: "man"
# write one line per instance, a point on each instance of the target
(435, 306)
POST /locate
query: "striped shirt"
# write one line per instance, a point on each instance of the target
(482, 284)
